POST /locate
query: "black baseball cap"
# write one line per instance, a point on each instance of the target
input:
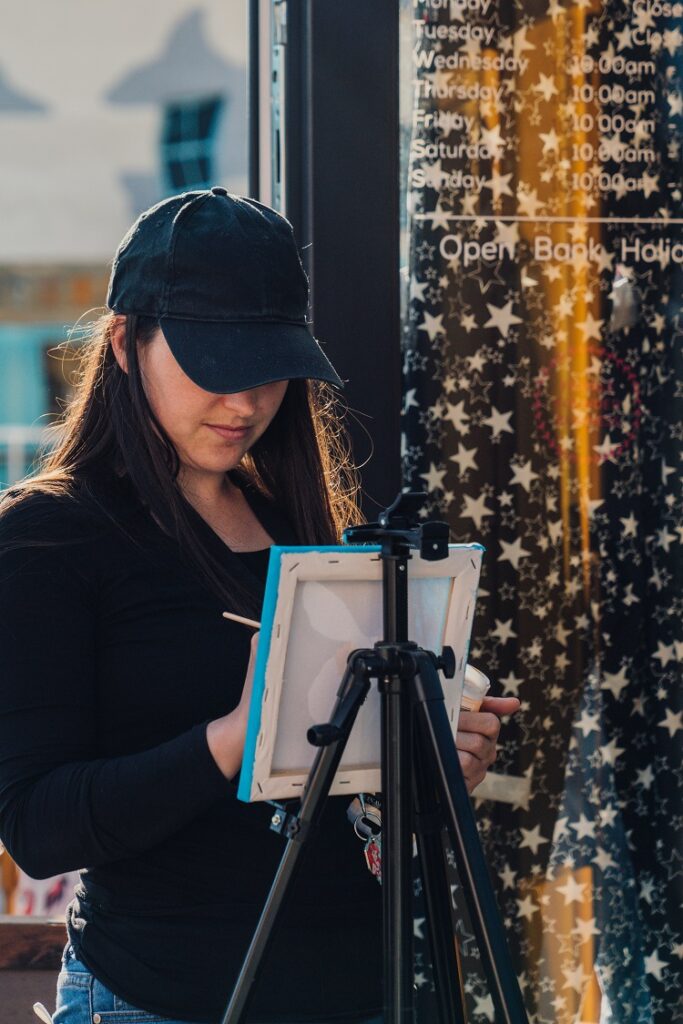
(222, 274)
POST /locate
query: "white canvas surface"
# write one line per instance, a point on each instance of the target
(326, 607)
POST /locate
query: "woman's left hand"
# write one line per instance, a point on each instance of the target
(477, 735)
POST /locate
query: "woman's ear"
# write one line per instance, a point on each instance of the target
(118, 342)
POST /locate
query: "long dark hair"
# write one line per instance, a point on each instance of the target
(302, 461)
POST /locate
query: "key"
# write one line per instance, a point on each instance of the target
(373, 856)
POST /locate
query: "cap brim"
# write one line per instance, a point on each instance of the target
(229, 356)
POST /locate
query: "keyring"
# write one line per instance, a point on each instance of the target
(372, 818)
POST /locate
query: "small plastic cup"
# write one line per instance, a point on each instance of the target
(475, 689)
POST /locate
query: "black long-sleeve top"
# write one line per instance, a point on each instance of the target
(114, 659)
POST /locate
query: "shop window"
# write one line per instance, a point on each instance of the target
(188, 143)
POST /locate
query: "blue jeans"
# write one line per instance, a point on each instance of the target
(82, 999)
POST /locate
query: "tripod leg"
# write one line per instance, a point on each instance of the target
(432, 720)
(429, 834)
(397, 830)
(351, 694)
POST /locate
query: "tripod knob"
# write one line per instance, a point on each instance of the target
(323, 735)
(447, 662)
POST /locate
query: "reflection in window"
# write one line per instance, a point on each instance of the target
(188, 143)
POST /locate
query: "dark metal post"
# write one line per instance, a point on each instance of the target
(253, 99)
(397, 827)
(342, 198)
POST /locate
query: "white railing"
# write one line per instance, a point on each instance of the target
(19, 445)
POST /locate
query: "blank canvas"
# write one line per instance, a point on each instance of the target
(319, 605)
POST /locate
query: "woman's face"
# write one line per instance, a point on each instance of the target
(188, 413)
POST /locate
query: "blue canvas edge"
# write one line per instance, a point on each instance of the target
(267, 617)
(476, 594)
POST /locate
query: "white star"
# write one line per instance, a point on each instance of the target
(650, 184)
(465, 458)
(511, 684)
(611, 146)
(615, 681)
(521, 43)
(434, 477)
(477, 362)
(672, 40)
(666, 471)
(417, 289)
(603, 858)
(546, 86)
(561, 634)
(584, 927)
(409, 400)
(664, 654)
(499, 421)
(475, 509)
(583, 827)
(654, 966)
(502, 317)
(607, 815)
(504, 630)
(610, 752)
(433, 175)
(499, 185)
(572, 890)
(623, 38)
(507, 876)
(575, 978)
(606, 450)
(523, 475)
(457, 416)
(645, 777)
(491, 138)
(555, 530)
(526, 908)
(588, 723)
(560, 829)
(551, 141)
(664, 539)
(671, 721)
(507, 235)
(484, 1006)
(603, 258)
(630, 525)
(439, 218)
(528, 201)
(532, 838)
(644, 18)
(432, 325)
(512, 553)
(590, 326)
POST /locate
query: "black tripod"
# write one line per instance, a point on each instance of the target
(423, 792)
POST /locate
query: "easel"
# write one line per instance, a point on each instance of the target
(423, 792)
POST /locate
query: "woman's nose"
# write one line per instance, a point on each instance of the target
(241, 403)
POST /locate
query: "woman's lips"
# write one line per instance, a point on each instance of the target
(230, 434)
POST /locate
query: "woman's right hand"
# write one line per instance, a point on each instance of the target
(226, 735)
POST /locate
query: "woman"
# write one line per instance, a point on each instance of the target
(202, 431)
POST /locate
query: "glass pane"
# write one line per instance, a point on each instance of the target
(87, 107)
(541, 264)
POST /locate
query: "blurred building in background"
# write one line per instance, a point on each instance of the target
(103, 112)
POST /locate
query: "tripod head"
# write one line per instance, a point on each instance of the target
(397, 529)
